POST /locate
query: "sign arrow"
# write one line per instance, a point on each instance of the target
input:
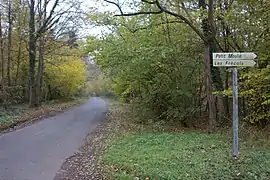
(235, 56)
(234, 62)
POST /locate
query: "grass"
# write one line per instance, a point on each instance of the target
(136, 152)
(190, 155)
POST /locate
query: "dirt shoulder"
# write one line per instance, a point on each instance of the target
(86, 164)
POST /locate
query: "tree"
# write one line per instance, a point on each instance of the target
(42, 18)
(151, 66)
(224, 26)
(32, 55)
(244, 29)
(20, 25)
(2, 53)
(207, 33)
(65, 74)
(28, 31)
(9, 42)
(45, 23)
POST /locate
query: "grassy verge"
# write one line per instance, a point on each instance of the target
(183, 156)
(135, 151)
(17, 114)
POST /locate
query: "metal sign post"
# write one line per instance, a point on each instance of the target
(235, 112)
(234, 60)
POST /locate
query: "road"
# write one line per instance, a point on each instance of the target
(37, 152)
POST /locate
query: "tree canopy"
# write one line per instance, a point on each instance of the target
(156, 53)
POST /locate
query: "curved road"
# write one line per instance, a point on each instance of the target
(37, 152)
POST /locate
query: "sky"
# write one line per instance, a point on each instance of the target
(87, 5)
(101, 6)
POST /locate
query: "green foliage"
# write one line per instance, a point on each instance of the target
(157, 74)
(250, 33)
(65, 75)
(156, 61)
(183, 156)
(256, 89)
(11, 115)
(11, 95)
(100, 86)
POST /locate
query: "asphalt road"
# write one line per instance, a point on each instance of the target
(37, 152)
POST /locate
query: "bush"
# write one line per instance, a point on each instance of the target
(66, 78)
(163, 88)
(11, 95)
(256, 89)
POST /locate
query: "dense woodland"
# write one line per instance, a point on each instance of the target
(159, 57)
(39, 54)
(164, 111)
(156, 55)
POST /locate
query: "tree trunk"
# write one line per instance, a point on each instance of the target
(2, 65)
(209, 89)
(217, 81)
(225, 34)
(32, 56)
(9, 44)
(25, 80)
(2, 54)
(18, 61)
(42, 19)
(207, 26)
(40, 69)
(19, 45)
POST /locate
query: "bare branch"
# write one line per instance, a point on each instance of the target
(117, 5)
(140, 13)
(161, 10)
(189, 23)
(149, 2)
(63, 25)
(136, 13)
(48, 20)
(186, 11)
(219, 46)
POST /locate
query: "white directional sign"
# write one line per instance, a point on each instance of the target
(234, 59)
(243, 56)
(235, 62)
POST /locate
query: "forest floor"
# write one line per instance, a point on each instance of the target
(18, 116)
(124, 149)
